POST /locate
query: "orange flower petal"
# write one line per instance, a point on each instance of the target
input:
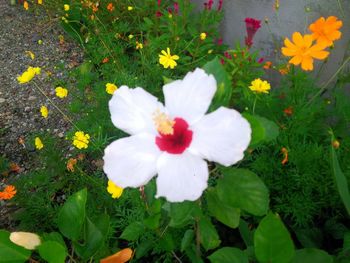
(307, 63)
(298, 39)
(122, 256)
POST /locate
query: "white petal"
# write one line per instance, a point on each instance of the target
(221, 136)
(190, 98)
(132, 110)
(131, 161)
(181, 177)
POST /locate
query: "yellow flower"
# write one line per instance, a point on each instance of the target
(111, 88)
(66, 7)
(25, 5)
(260, 86)
(30, 54)
(130, 36)
(28, 75)
(203, 36)
(325, 31)
(130, 8)
(40, 2)
(38, 143)
(81, 140)
(303, 51)
(44, 111)
(168, 60)
(114, 189)
(61, 92)
(40, 41)
(139, 45)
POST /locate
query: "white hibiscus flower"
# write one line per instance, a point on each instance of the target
(173, 141)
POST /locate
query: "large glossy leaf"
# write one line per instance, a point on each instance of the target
(10, 252)
(243, 189)
(223, 212)
(340, 179)
(95, 235)
(72, 215)
(272, 241)
(224, 89)
(312, 255)
(53, 252)
(228, 255)
(187, 239)
(209, 237)
(263, 130)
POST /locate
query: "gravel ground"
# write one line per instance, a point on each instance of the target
(20, 116)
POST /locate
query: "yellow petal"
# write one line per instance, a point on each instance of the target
(25, 239)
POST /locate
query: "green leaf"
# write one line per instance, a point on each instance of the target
(133, 231)
(246, 234)
(95, 236)
(10, 252)
(223, 212)
(224, 89)
(209, 237)
(263, 130)
(72, 215)
(53, 236)
(243, 189)
(53, 252)
(153, 221)
(312, 255)
(143, 248)
(181, 213)
(187, 239)
(272, 241)
(228, 255)
(340, 179)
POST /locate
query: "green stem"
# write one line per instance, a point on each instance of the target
(256, 97)
(324, 87)
(56, 107)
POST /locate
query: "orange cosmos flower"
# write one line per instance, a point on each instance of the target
(325, 31)
(303, 51)
(122, 256)
(110, 7)
(8, 193)
(70, 164)
(267, 65)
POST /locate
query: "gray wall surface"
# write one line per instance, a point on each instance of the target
(292, 15)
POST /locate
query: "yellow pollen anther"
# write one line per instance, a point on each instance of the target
(163, 123)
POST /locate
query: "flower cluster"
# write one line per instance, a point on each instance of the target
(303, 50)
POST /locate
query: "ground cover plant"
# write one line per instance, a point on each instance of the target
(180, 150)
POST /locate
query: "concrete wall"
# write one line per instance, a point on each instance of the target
(293, 15)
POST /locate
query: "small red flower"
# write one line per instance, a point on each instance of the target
(105, 60)
(288, 111)
(110, 7)
(252, 26)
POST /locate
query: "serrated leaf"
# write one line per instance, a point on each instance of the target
(272, 241)
(209, 237)
(53, 252)
(223, 212)
(10, 252)
(228, 255)
(243, 189)
(181, 213)
(72, 215)
(133, 231)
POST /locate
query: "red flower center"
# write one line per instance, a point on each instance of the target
(177, 142)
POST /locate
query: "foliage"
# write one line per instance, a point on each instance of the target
(286, 201)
